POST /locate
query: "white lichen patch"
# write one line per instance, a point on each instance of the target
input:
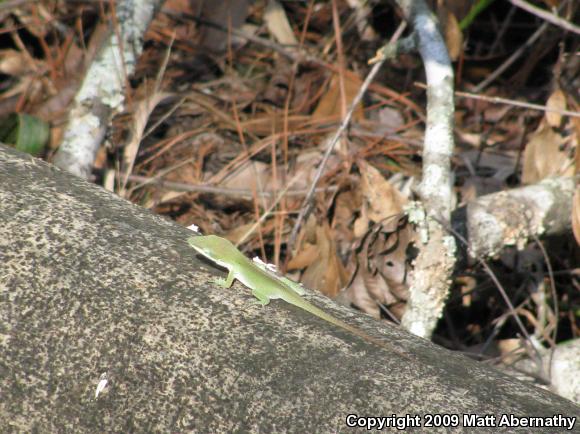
(450, 246)
(418, 217)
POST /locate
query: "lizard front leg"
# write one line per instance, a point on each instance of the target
(227, 282)
(230, 279)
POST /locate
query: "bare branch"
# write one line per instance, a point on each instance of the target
(102, 92)
(435, 262)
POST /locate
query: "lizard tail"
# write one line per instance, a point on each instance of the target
(354, 330)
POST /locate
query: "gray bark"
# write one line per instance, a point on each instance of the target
(102, 93)
(433, 267)
(514, 217)
(90, 284)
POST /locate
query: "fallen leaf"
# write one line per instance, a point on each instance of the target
(325, 271)
(329, 106)
(16, 63)
(557, 101)
(544, 156)
(379, 196)
(390, 118)
(381, 271)
(576, 215)
(230, 15)
(277, 23)
(347, 203)
(453, 36)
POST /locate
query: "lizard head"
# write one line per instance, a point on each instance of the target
(211, 246)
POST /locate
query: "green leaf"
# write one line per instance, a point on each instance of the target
(25, 132)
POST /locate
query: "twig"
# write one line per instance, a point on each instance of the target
(340, 57)
(434, 264)
(499, 100)
(139, 123)
(506, 22)
(551, 18)
(518, 53)
(103, 91)
(494, 221)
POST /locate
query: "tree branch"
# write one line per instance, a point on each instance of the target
(436, 259)
(102, 92)
(98, 292)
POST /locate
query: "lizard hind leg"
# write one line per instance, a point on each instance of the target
(263, 299)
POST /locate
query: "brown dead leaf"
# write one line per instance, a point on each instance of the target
(390, 118)
(55, 106)
(576, 215)
(277, 23)
(510, 350)
(390, 254)
(380, 198)
(258, 176)
(453, 36)
(380, 275)
(557, 101)
(305, 257)
(233, 14)
(16, 63)
(360, 290)
(550, 150)
(251, 175)
(459, 8)
(276, 90)
(544, 157)
(237, 233)
(449, 13)
(325, 271)
(329, 105)
(346, 206)
(361, 224)
(189, 149)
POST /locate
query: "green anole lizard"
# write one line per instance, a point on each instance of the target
(265, 285)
